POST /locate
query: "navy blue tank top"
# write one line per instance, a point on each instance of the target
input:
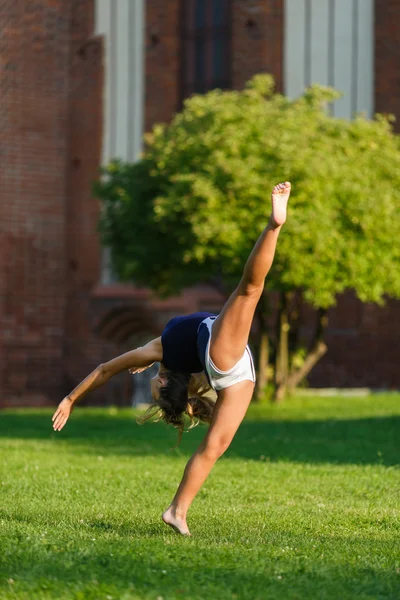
(179, 343)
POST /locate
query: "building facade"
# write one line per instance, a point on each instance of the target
(80, 82)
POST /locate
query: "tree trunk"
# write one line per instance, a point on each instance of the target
(263, 361)
(263, 347)
(317, 351)
(315, 355)
(294, 320)
(284, 344)
(282, 354)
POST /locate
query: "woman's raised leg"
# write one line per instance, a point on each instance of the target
(231, 330)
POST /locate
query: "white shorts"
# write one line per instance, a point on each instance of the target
(219, 380)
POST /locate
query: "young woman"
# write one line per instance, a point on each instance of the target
(201, 342)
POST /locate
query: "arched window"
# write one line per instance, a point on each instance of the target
(206, 47)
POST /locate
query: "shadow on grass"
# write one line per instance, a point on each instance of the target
(372, 440)
(147, 567)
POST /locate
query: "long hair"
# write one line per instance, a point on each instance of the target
(183, 402)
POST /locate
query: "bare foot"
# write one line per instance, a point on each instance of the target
(177, 523)
(280, 197)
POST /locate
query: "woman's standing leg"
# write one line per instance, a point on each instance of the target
(229, 411)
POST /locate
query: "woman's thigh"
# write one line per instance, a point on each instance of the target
(231, 330)
(229, 412)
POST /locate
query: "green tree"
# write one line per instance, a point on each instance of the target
(192, 207)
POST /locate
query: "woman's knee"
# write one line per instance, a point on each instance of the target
(251, 290)
(215, 447)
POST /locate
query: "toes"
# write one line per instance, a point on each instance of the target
(281, 187)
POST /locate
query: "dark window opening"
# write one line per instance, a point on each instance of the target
(206, 46)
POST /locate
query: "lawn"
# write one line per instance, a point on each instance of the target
(304, 505)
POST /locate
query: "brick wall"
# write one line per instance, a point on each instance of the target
(51, 89)
(362, 342)
(83, 252)
(162, 66)
(257, 30)
(34, 94)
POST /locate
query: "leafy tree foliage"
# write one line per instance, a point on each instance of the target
(191, 209)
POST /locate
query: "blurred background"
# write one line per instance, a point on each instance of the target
(81, 81)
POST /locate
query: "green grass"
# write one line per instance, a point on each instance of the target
(305, 505)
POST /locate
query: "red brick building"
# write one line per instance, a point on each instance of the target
(79, 82)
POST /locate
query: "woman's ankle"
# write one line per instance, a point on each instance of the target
(178, 511)
(273, 225)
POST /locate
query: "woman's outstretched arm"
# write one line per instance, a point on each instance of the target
(135, 359)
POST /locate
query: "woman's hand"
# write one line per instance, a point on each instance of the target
(62, 413)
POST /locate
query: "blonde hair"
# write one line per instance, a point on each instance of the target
(184, 402)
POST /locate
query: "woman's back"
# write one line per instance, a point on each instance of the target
(179, 342)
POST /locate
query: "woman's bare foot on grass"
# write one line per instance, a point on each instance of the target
(177, 523)
(280, 197)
